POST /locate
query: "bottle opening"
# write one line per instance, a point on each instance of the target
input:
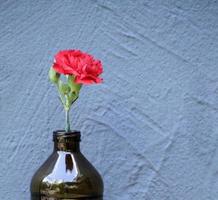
(61, 135)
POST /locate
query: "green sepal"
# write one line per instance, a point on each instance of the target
(74, 87)
(63, 87)
(53, 76)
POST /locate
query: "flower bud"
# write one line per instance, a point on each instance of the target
(53, 76)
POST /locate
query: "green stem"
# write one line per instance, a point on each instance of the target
(67, 118)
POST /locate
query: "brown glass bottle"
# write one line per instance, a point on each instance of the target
(66, 174)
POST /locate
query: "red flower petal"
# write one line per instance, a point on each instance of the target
(82, 65)
(88, 80)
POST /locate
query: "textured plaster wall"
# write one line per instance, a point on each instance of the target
(151, 129)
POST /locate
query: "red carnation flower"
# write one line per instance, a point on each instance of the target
(83, 66)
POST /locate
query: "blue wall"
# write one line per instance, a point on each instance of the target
(151, 129)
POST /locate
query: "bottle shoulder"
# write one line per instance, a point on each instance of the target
(44, 169)
(67, 173)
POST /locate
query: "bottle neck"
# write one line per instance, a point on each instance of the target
(66, 141)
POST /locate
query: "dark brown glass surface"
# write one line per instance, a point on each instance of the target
(66, 174)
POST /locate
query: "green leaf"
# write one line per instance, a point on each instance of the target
(72, 96)
(53, 76)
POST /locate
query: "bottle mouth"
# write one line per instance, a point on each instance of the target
(62, 134)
